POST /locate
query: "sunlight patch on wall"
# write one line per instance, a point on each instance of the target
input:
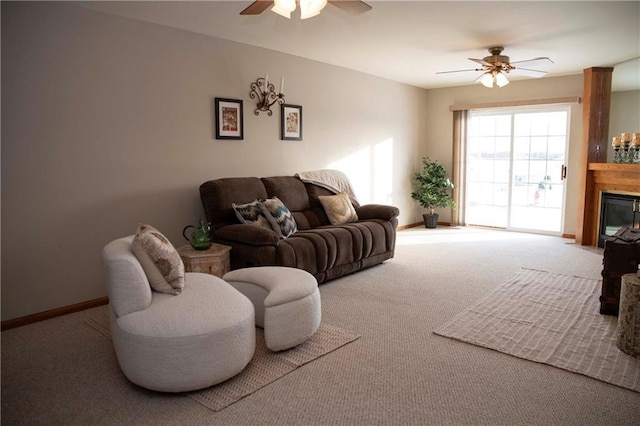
(370, 171)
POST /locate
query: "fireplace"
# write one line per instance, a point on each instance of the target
(617, 210)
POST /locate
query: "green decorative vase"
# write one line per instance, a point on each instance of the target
(200, 238)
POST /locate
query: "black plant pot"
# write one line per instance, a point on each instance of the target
(430, 220)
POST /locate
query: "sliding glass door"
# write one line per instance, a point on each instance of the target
(515, 168)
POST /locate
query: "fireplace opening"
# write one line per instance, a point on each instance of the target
(617, 210)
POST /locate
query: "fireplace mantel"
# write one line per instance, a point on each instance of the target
(597, 176)
(606, 177)
(625, 176)
(615, 167)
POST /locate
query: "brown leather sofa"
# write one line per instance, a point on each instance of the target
(324, 250)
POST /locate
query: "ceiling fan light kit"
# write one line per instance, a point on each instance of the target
(489, 78)
(308, 8)
(311, 8)
(501, 80)
(496, 66)
(284, 7)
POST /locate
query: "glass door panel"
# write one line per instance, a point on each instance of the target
(514, 169)
(488, 171)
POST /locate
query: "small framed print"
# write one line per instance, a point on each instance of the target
(291, 122)
(229, 121)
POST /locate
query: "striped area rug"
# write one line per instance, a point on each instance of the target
(551, 319)
(265, 367)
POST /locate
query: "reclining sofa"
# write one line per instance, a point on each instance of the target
(325, 250)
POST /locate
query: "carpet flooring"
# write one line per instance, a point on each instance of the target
(552, 319)
(62, 372)
(265, 367)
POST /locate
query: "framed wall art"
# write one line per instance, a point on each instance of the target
(229, 121)
(291, 122)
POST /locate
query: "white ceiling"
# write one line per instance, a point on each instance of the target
(409, 41)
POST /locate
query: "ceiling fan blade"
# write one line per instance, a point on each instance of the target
(257, 7)
(528, 72)
(535, 62)
(449, 72)
(352, 7)
(477, 80)
(480, 61)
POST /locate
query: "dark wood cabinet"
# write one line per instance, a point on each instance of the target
(621, 256)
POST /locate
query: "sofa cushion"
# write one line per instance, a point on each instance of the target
(251, 214)
(218, 195)
(290, 190)
(333, 248)
(159, 259)
(338, 208)
(279, 216)
(377, 211)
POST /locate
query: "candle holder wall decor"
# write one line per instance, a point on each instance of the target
(635, 143)
(626, 143)
(615, 143)
(626, 148)
(265, 94)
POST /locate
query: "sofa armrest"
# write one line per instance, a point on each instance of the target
(247, 234)
(377, 211)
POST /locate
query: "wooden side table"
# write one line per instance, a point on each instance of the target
(629, 316)
(214, 260)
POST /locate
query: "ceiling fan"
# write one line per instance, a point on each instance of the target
(308, 8)
(495, 66)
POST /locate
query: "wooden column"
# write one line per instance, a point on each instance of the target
(595, 135)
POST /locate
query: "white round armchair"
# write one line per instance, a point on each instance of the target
(176, 343)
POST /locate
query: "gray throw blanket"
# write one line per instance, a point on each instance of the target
(333, 180)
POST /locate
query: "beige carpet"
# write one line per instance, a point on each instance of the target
(551, 319)
(265, 367)
(62, 372)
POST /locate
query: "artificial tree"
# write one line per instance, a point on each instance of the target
(432, 189)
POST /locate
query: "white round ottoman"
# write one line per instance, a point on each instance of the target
(286, 302)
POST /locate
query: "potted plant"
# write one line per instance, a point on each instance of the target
(432, 188)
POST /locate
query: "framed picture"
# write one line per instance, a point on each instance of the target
(291, 122)
(229, 121)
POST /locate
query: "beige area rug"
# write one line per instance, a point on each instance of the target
(265, 367)
(551, 319)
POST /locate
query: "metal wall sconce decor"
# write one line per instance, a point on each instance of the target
(265, 94)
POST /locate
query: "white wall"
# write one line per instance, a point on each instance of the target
(439, 133)
(107, 122)
(624, 115)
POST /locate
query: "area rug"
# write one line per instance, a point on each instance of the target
(265, 367)
(551, 319)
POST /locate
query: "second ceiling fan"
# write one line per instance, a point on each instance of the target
(495, 66)
(308, 8)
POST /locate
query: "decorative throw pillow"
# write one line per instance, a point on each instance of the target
(338, 208)
(159, 259)
(251, 214)
(279, 216)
